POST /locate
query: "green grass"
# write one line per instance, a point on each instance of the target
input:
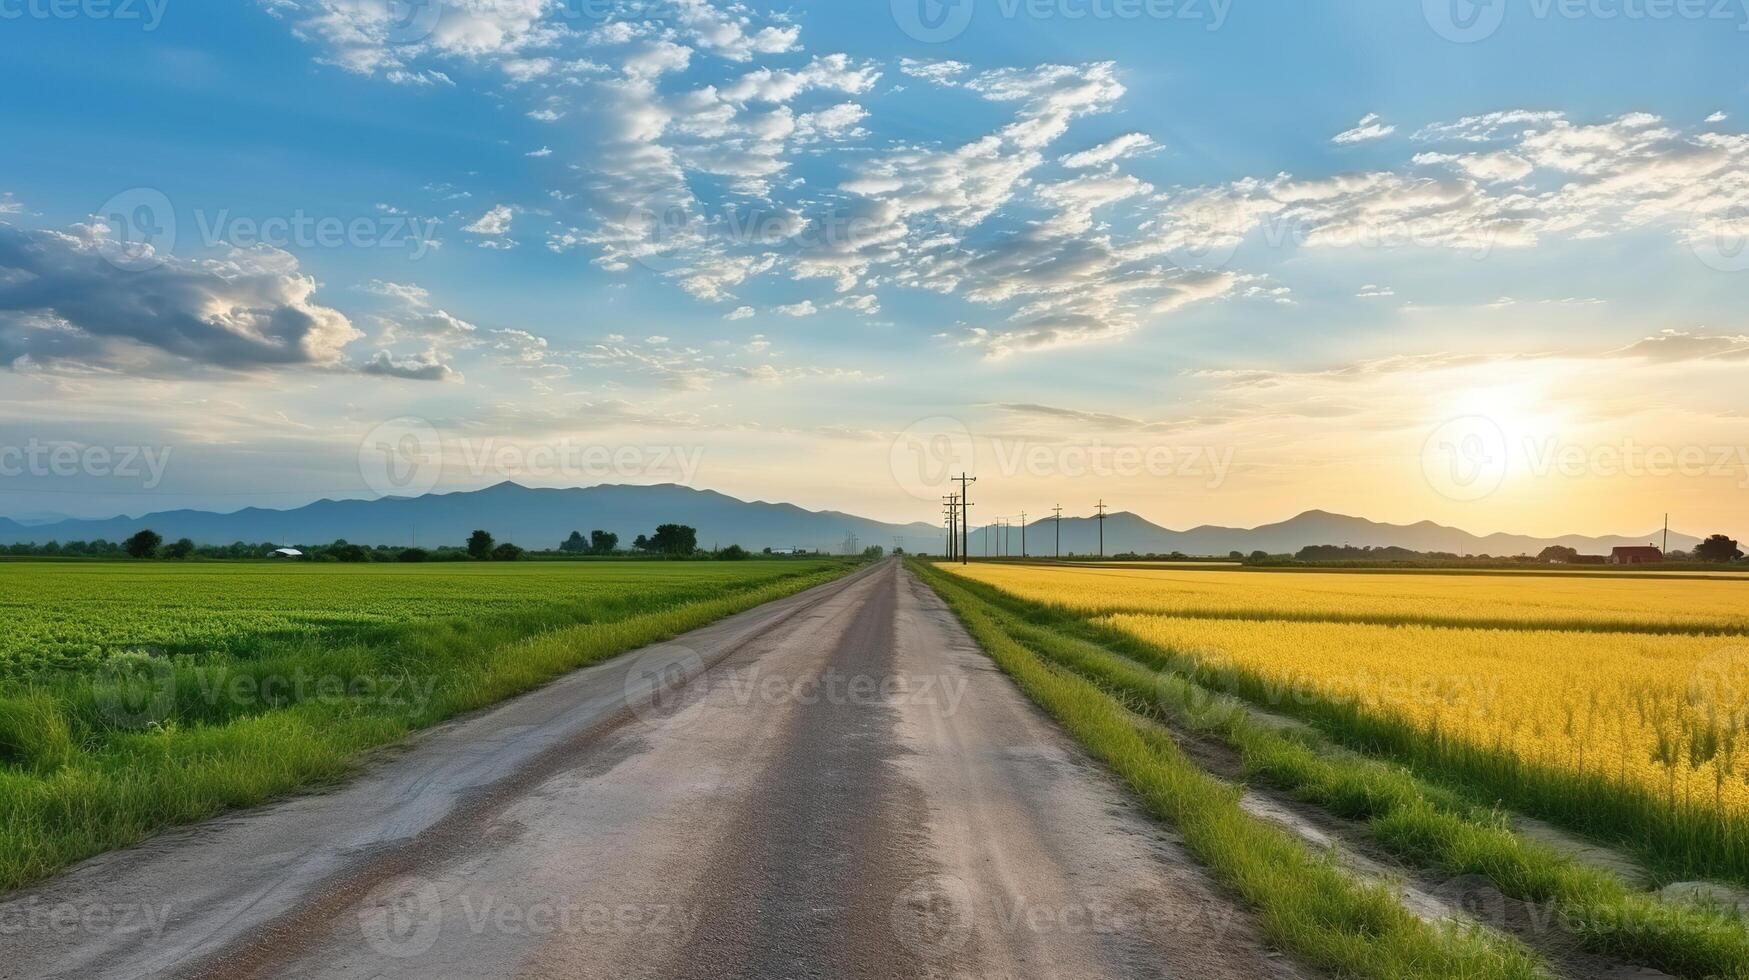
(100, 750)
(1428, 826)
(1306, 904)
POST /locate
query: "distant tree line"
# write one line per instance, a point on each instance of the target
(668, 541)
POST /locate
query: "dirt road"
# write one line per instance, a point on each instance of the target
(838, 784)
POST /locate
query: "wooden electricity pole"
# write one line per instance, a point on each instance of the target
(1059, 528)
(1102, 528)
(965, 517)
(1023, 534)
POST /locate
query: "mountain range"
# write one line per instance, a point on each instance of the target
(542, 517)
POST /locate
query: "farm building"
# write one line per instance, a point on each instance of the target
(285, 553)
(1636, 555)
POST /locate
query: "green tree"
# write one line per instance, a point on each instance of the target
(479, 546)
(414, 555)
(675, 539)
(641, 543)
(574, 545)
(180, 550)
(1717, 548)
(507, 552)
(603, 543)
(873, 551)
(733, 552)
(144, 544)
(1559, 553)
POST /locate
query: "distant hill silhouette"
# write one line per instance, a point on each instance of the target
(541, 518)
(1126, 532)
(531, 517)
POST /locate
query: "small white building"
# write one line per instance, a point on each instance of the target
(285, 553)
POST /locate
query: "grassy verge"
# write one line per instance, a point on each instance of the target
(94, 761)
(1307, 905)
(1426, 825)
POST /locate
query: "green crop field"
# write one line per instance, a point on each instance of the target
(135, 696)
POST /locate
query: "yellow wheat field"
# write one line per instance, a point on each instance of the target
(1511, 600)
(1662, 713)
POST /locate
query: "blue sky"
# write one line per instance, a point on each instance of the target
(1305, 240)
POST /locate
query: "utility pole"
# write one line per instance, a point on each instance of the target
(1023, 534)
(952, 502)
(1102, 527)
(1059, 527)
(965, 517)
(1667, 534)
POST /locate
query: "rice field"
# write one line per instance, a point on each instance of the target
(136, 696)
(1616, 707)
(1576, 601)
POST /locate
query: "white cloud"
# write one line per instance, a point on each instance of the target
(740, 313)
(368, 37)
(1127, 145)
(494, 222)
(939, 72)
(1370, 127)
(545, 151)
(429, 366)
(84, 296)
(804, 308)
(1370, 291)
(1718, 117)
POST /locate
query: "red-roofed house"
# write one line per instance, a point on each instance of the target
(1635, 556)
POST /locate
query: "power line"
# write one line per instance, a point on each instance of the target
(1102, 527)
